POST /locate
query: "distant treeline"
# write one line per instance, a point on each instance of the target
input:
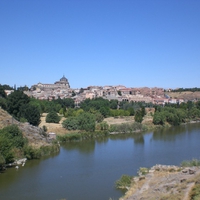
(186, 90)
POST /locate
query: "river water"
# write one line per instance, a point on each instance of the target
(88, 170)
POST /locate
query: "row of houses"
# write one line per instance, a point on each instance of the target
(61, 89)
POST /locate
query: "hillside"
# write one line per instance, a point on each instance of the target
(184, 95)
(35, 135)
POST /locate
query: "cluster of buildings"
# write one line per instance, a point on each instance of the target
(61, 89)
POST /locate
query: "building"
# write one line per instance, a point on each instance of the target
(60, 89)
(61, 84)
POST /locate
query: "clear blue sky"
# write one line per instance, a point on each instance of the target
(134, 43)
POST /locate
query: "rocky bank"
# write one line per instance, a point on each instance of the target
(163, 182)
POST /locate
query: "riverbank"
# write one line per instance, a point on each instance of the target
(162, 182)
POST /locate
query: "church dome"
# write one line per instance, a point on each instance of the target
(63, 79)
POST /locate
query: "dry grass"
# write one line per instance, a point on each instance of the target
(53, 127)
(119, 120)
(184, 95)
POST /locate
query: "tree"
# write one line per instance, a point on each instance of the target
(86, 121)
(31, 113)
(138, 116)
(158, 118)
(2, 92)
(11, 138)
(3, 103)
(52, 117)
(71, 123)
(105, 111)
(14, 101)
(131, 111)
(113, 104)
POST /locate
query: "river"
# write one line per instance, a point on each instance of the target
(88, 170)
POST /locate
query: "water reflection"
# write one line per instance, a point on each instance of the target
(83, 147)
(139, 139)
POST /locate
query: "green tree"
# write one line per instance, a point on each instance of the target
(86, 121)
(14, 101)
(158, 118)
(70, 123)
(138, 116)
(131, 111)
(52, 117)
(113, 104)
(3, 103)
(2, 92)
(11, 138)
(31, 113)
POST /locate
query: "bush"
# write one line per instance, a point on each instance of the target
(52, 117)
(190, 163)
(71, 123)
(11, 140)
(124, 182)
(84, 121)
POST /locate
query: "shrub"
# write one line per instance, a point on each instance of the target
(52, 117)
(124, 182)
(190, 163)
(11, 140)
(71, 123)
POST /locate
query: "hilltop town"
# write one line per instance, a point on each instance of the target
(61, 89)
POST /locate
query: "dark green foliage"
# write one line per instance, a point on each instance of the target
(11, 138)
(6, 87)
(52, 117)
(113, 104)
(68, 102)
(175, 115)
(124, 182)
(3, 103)
(186, 89)
(98, 117)
(14, 101)
(96, 104)
(140, 114)
(105, 111)
(2, 92)
(71, 123)
(131, 111)
(24, 88)
(32, 153)
(2, 160)
(84, 121)
(159, 118)
(31, 113)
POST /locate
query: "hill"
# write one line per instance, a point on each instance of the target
(35, 135)
(187, 95)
